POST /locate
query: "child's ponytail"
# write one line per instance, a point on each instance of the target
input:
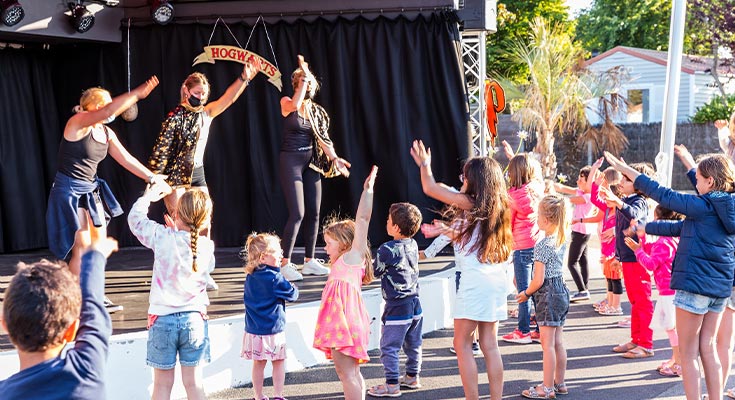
(195, 210)
(555, 208)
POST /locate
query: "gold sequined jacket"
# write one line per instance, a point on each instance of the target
(173, 153)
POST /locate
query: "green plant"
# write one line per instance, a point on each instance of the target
(714, 110)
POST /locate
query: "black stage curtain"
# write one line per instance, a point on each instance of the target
(385, 82)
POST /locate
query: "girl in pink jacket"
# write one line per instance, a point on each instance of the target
(657, 258)
(526, 188)
(611, 267)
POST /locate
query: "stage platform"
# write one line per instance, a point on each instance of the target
(129, 273)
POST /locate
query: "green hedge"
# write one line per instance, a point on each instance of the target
(714, 110)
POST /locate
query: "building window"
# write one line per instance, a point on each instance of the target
(638, 106)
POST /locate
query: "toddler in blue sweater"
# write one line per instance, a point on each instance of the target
(265, 294)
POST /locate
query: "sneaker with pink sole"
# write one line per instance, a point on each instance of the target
(518, 337)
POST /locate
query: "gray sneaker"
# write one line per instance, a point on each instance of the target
(580, 296)
(290, 273)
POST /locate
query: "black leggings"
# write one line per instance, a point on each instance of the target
(615, 286)
(302, 188)
(578, 255)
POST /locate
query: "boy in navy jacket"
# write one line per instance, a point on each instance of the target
(44, 309)
(397, 266)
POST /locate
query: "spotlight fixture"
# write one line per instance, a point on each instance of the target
(81, 19)
(12, 12)
(162, 11)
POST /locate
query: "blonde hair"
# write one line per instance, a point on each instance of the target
(720, 168)
(555, 208)
(91, 97)
(194, 210)
(194, 79)
(297, 75)
(255, 245)
(522, 169)
(343, 232)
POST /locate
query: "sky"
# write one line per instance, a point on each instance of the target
(577, 5)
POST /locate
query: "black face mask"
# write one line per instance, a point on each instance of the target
(194, 101)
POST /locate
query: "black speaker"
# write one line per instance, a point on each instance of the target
(478, 15)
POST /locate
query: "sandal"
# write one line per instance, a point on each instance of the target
(638, 352)
(665, 364)
(624, 348)
(385, 390)
(532, 392)
(730, 393)
(561, 388)
(674, 371)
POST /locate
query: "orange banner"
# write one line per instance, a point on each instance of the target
(237, 54)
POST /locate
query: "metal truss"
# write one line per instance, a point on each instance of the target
(474, 61)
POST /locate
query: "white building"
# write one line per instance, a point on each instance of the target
(647, 69)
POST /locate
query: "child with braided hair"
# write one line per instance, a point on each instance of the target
(178, 299)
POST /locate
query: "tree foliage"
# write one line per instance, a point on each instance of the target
(514, 22)
(634, 23)
(717, 108)
(553, 98)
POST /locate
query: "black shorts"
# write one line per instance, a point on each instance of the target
(197, 177)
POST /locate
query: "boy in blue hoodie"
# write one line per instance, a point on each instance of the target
(43, 310)
(397, 265)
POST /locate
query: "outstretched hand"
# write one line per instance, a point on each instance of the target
(685, 156)
(434, 229)
(342, 166)
(157, 190)
(615, 162)
(146, 87)
(250, 69)
(92, 240)
(370, 180)
(721, 123)
(421, 154)
(508, 150)
(304, 66)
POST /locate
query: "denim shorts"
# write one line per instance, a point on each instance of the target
(699, 304)
(185, 334)
(731, 300)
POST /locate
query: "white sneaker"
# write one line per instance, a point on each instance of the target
(290, 273)
(315, 267)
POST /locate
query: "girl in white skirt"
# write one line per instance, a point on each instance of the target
(265, 294)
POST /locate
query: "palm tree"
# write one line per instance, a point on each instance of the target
(553, 100)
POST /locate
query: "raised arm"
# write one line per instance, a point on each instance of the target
(249, 70)
(620, 165)
(422, 156)
(362, 221)
(81, 121)
(124, 158)
(291, 104)
(145, 229)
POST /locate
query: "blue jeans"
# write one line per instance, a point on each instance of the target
(402, 326)
(182, 333)
(522, 265)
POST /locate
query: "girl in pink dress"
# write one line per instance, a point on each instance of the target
(343, 326)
